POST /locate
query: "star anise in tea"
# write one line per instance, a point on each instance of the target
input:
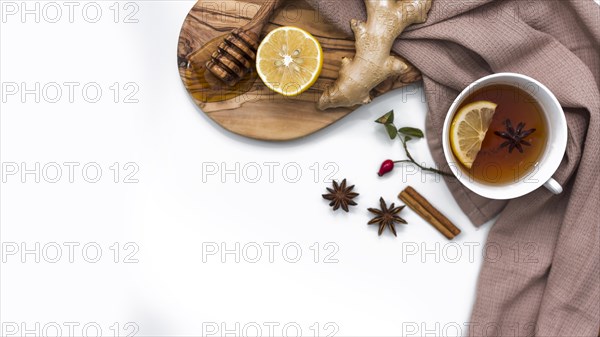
(341, 196)
(515, 137)
(386, 216)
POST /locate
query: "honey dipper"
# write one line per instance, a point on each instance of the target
(236, 54)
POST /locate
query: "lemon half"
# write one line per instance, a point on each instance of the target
(289, 60)
(469, 128)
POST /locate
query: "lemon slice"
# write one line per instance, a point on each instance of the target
(468, 130)
(289, 60)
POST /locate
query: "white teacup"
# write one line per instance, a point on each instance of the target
(550, 159)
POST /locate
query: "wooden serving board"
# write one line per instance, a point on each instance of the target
(261, 113)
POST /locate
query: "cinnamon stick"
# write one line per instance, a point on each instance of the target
(434, 211)
(422, 207)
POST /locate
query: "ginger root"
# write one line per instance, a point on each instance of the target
(373, 64)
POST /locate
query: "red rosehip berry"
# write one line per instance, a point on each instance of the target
(386, 167)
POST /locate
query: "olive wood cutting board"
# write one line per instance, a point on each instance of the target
(261, 113)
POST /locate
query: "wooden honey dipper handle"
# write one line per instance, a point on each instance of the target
(235, 56)
(261, 18)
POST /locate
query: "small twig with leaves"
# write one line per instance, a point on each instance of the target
(405, 135)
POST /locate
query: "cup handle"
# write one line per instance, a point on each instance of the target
(553, 186)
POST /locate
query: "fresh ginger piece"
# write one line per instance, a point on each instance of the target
(372, 63)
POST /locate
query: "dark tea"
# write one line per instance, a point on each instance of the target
(516, 137)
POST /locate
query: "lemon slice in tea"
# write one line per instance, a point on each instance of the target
(468, 130)
(289, 60)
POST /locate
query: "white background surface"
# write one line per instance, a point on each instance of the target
(175, 209)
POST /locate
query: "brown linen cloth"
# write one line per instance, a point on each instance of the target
(546, 281)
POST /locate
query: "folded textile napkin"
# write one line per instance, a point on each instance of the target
(552, 288)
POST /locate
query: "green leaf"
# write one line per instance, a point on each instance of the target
(391, 130)
(407, 139)
(414, 132)
(388, 118)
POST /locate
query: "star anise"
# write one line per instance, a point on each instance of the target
(386, 217)
(515, 138)
(341, 196)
